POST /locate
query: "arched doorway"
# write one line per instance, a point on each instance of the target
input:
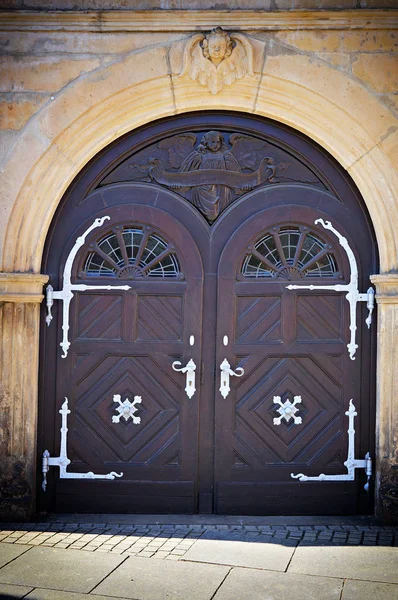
(206, 219)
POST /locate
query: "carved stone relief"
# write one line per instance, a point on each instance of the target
(217, 59)
(212, 168)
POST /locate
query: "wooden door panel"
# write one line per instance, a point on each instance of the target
(258, 319)
(130, 376)
(99, 316)
(289, 343)
(124, 343)
(160, 317)
(319, 317)
(287, 377)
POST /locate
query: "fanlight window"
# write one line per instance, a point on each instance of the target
(132, 253)
(290, 253)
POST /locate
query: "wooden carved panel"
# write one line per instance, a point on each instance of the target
(159, 317)
(319, 317)
(212, 168)
(258, 319)
(99, 316)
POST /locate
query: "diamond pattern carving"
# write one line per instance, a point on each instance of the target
(287, 377)
(128, 376)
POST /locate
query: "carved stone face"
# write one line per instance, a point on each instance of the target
(213, 142)
(217, 47)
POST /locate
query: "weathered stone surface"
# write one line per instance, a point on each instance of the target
(188, 5)
(257, 552)
(145, 579)
(19, 74)
(16, 109)
(9, 552)
(58, 569)
(362, 562)
(42, 594)
(341, 41)
(258, 585)
(380, 71)
(15, 591)
(59, 44)
(19, 320)
(369, 590)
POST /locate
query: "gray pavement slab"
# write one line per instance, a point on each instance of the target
(41, 594)
(146, 579)
(368, 590)
(257, 552)
(58, 569)
(9, 552)
(267, 585)
(347, 562)
(10, 592)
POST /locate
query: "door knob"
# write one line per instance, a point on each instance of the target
(226, 373)
(189, 369)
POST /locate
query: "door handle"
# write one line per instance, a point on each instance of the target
(189, 369)
(226, 373)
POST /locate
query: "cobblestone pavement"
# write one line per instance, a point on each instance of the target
(173, 541)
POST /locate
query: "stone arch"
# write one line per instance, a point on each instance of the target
(96, 109)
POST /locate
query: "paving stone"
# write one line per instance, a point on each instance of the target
(14, 592)
(267, 585)
(75, 571)
(42, 594)
(144, 579)
(9, 552)
(348, 562)
(228, 549)
(353, 590)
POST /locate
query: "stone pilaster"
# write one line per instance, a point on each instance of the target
(20, 297)
(387, 396)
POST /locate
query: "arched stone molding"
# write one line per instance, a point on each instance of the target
(103, 105)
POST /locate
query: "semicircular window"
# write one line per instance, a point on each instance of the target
(290, 253)
(132, 253)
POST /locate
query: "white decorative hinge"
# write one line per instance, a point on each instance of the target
(351, 463)
(127, 409)
(226, 373)
(66, 294)
(62, 461)
(353, 296)
(287, 410)
(189, 369)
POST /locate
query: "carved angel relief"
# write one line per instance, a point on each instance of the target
(217, 59)
(211, 171)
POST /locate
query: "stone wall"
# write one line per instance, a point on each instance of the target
(268, 5)
(71, 83)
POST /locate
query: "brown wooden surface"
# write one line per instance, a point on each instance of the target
(208, 453)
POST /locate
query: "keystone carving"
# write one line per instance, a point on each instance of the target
(217, 59)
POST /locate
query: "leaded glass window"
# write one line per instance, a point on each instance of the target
(290, 253)
(131, 253)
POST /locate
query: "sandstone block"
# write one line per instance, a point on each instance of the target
(340, 41)
(19, 74)
(380, 71)
(344, 96)
(16, 109)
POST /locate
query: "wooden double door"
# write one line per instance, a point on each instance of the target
(206, 294)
